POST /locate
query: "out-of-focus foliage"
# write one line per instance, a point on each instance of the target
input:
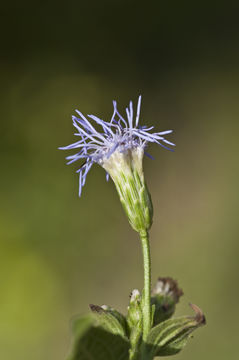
(59, 253)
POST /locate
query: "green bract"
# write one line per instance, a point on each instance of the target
(170, 336)
(126, 170)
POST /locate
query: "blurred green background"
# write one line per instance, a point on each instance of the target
(58, 253)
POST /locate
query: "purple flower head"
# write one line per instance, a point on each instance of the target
(117, 135)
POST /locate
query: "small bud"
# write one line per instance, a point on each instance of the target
(165, 295)
(134, 316)
(134, 320)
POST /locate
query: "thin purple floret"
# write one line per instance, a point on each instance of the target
(117, 135)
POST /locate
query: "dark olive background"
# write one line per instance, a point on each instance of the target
(58, 253)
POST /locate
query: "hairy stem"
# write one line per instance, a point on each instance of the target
(147, 285)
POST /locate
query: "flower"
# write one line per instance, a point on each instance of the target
(119, 148)
(166, 286)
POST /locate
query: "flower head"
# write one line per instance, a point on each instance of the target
(118, 147)
(165, 296)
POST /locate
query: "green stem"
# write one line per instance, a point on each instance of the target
(147, 285)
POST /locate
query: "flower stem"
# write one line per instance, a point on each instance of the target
(147, 285)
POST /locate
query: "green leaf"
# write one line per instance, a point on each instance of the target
(170, 336)
(99, 336)
(110, 320)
